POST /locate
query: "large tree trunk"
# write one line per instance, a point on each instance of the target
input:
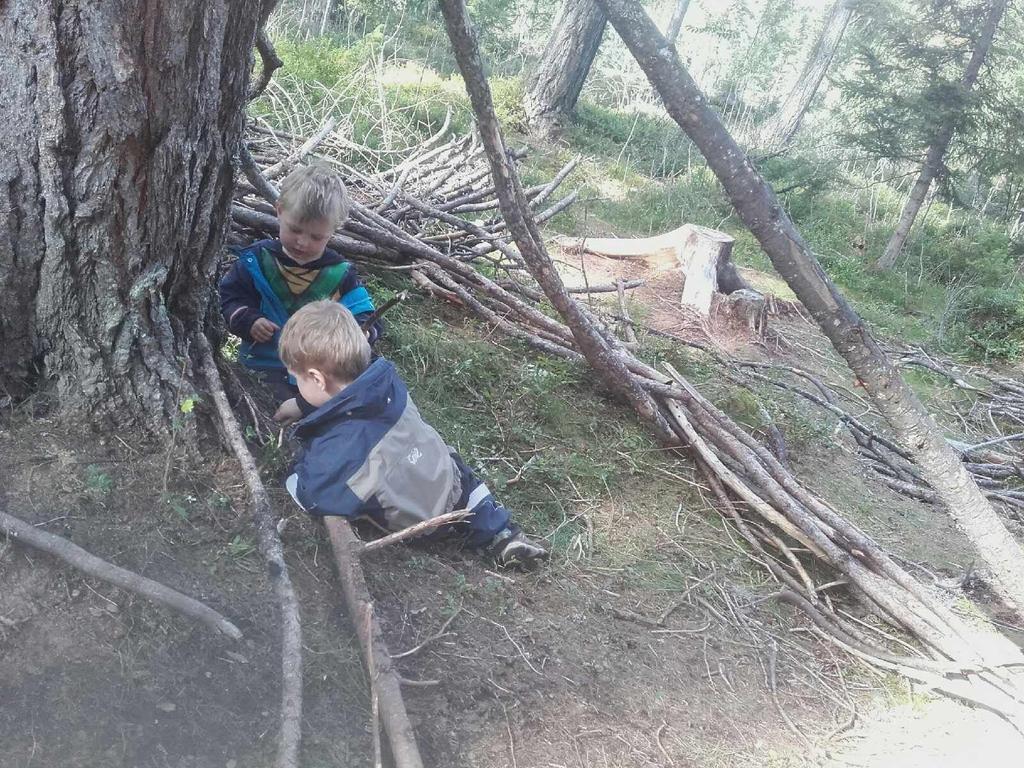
(940, 142)
(761, 211)
(120, 121)
(784, 125)
(555, 86)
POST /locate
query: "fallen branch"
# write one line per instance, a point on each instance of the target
(371, 672)
(436, 636)
(382, 309)
(87, 563)
(384, 678)
(277, 570)
(282, 167)
(268, 223)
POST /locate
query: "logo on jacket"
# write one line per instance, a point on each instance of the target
(414, 455)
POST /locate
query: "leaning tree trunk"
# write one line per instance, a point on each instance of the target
(761, 211)
(940, 142)
(555, 86)
(786, 122)
(120, 119)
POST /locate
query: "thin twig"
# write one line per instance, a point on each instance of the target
(442, 632)
(414, 531)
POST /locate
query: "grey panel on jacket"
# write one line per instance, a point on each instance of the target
(410, 472)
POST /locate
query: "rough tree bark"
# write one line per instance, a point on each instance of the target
(555, 86)
(940, 141)
(120, 120)
(761, 211)
(786, 122)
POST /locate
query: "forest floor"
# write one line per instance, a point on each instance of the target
(650, 638)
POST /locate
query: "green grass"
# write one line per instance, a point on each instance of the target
(517, 417)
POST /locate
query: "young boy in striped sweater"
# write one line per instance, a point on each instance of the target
(273, 279)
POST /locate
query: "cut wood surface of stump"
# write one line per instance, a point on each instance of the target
(712, 285)
(702, 253)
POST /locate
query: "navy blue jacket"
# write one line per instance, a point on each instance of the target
(246, 296)
(367, 451)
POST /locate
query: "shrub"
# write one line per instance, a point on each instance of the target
(995, 323)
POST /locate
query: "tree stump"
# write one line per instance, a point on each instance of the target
(711, 281)
(701, 255)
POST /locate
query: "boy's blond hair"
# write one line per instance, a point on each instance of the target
(315, 192)
(324, 335)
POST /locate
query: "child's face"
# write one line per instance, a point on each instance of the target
(315, 387)
(304, 241)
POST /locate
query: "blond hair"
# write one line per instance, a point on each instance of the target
(314, 192)
(324, 335)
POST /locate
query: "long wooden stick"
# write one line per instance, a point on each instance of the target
(385, 680)
(88, 563)
(379, 312)
(273, 553)
(371, 670)
(282, 167)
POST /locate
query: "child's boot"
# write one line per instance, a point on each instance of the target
(511, 549)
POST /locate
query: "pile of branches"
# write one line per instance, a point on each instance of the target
(992, 413)
(438, 193)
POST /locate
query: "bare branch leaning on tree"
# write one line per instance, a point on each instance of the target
(277, 570)
(961, 660)
(72, 554)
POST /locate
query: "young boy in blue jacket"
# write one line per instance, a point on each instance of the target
(366, 450)
(273, 279)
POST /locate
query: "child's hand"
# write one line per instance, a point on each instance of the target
(288, 412)
(263, 330)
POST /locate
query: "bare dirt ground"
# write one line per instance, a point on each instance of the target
(649, 640)
(558, 666)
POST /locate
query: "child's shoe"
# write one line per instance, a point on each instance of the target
(513, 550)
